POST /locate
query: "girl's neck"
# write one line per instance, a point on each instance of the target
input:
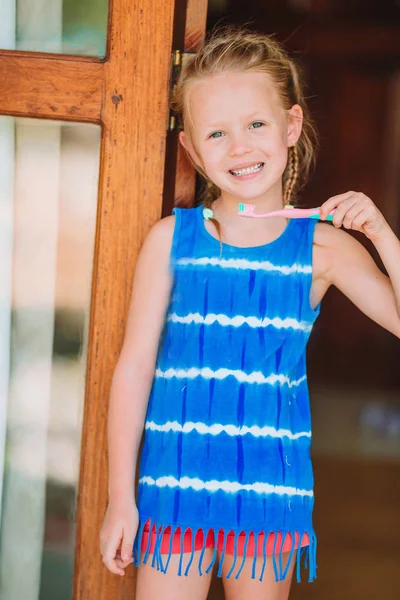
(228, 204)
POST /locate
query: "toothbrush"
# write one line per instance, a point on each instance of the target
(247, 210)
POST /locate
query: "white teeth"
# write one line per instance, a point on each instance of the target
(248, 170)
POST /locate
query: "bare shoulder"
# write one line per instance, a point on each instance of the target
(156, 247)
(155, 252)
(329, 237)
(161, 234)
(330, 244)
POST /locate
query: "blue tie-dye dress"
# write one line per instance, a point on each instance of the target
(228, 427)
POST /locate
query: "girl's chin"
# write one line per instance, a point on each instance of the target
(249, 192)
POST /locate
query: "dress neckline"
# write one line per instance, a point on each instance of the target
(233, 248)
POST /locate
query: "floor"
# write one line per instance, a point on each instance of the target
(357, 498)
(357, 517)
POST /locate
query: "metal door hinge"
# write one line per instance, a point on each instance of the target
(177, 60)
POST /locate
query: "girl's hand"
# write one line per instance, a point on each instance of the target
(356, 211)
(117, 536)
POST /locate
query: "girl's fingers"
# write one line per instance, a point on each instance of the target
(354, 210)
(333, 202)
(359, 221)
(122, 564)
(342, 210)
(109, 555)
(112, 564)
(127, 547)
(348, 221)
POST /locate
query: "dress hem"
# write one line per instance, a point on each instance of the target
(307, 554)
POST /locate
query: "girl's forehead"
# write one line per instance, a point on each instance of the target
(232, 93)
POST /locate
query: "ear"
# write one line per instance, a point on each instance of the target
(187, 144)
(295, 124)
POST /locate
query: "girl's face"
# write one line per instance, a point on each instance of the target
(240, 134)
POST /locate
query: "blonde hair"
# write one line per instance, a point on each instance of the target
(241, 50)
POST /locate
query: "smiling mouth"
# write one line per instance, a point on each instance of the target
(247, 170)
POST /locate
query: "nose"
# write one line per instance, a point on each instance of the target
(239, 145)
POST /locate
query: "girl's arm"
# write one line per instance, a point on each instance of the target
(342, 261)
(130, 388)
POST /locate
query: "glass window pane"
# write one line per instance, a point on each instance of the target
(48, 200)
(61, 26)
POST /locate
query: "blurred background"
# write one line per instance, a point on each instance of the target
(48, 204)
(349, 52)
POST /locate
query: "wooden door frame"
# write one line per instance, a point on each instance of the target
(109, 92)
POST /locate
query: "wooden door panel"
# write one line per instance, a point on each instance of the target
(51, 86)
(180, 176)
(129, 203)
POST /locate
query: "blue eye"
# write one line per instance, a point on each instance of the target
(216, 135)
(257, 125)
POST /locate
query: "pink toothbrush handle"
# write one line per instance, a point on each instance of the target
(294, 213)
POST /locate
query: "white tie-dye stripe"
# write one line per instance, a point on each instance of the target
(232, 430)
(225, 486)
(241, 376)
(240, 320)
(242, 263)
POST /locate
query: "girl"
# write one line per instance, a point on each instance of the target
(225, 469)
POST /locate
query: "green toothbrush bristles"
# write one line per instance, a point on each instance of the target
(241, 207)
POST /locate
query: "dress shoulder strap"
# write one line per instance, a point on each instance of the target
(184, 232)
(309, 231)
